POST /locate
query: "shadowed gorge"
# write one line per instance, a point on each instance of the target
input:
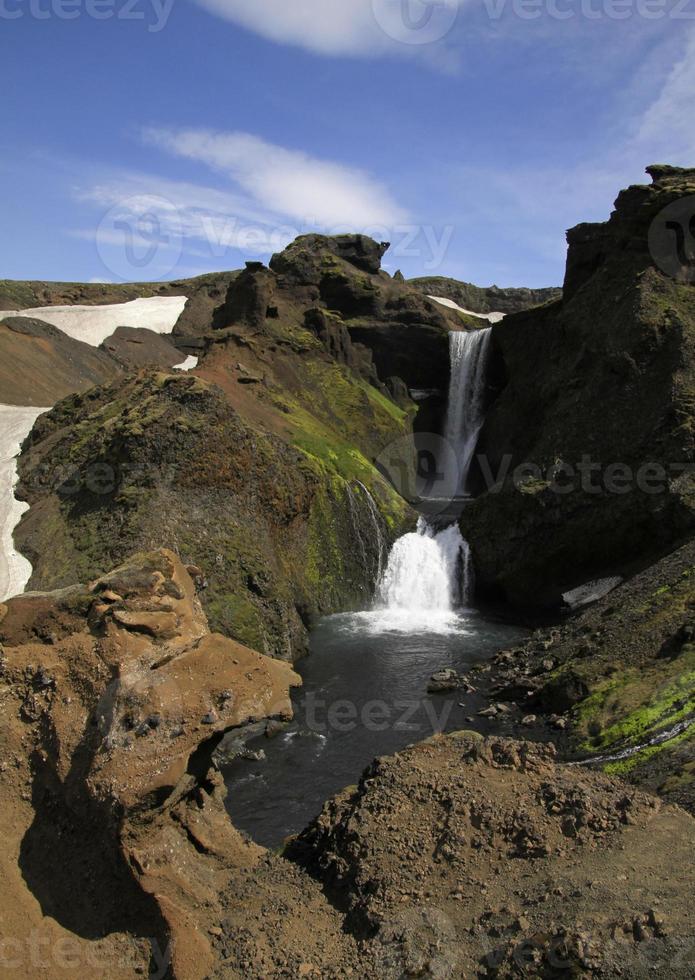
(295, 688)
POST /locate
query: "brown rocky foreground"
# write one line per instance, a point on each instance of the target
(459, 857)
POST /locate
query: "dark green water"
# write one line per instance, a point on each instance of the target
(364, 695)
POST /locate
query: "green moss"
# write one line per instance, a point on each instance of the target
(236, 616)
(381, 402)
(532, 487)
(624, 766)
(627, 709)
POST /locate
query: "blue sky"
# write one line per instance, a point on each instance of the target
(173, 137)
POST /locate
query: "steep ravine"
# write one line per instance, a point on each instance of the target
(589, 437)
(468, 854)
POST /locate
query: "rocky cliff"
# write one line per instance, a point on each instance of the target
(458, 857)
(592, 398)
(260, 467)
(482, 299)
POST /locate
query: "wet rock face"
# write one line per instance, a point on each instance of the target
(587, 394)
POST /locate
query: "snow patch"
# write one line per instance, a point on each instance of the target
(187, 365)
(490, 317)
(93, 324)
(15, 425)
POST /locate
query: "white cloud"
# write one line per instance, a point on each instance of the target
(324, 26)
(363, 28)
(142, 206)
(666, 132)
(287, 182)
(144, 224)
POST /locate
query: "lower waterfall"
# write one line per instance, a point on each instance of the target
(427, 579)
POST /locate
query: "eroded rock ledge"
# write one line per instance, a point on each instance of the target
(114, 696)
(457, 857)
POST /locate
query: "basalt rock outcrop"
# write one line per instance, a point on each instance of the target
(481, 299)
(595, 394)
(260, 467)
(617, 681)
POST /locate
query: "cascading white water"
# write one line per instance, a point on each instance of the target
(423, 571)
(429, 574)
(375, 520)
(465, 416)
(423, 583)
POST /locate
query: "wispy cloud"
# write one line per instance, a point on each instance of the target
(268, 196)
(666, 130)
(362, 28)
(287, 182)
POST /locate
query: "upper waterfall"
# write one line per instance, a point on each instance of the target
(429, 574)
(465, 417)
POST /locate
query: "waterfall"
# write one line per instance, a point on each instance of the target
(375, 520)
(429, 574)
(424, 582)
(364, 515)
(466, 388)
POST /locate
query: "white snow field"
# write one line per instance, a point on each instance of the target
(187, 365)
(15, 425)
(93, 324)
(490, 317)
